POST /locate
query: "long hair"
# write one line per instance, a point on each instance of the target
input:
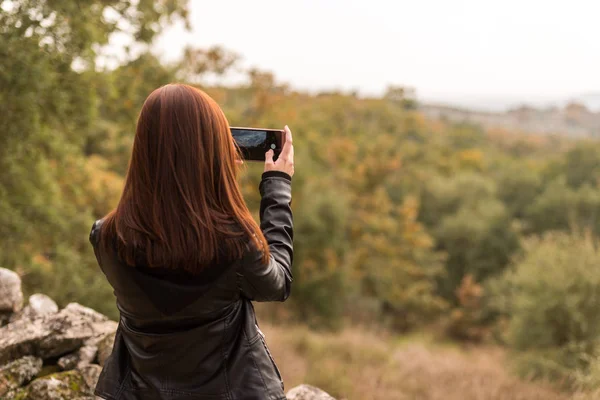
(181, 205)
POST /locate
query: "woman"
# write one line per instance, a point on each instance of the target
(185, 259)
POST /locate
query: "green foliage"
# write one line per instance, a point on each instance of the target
(582, 165)
(471, 225)
(561, 207)
(320, 251)
(404, 97)
(396, 261)
(518, 186)
(552, 303)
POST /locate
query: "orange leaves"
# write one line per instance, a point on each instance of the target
(469, 292)
(103, 188)
(464, 322)
(471, 159)
(43, 262)
(342, 151)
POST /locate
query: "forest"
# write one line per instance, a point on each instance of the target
(404, 223)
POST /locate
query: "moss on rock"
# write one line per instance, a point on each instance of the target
(67, 385)
(18, 372)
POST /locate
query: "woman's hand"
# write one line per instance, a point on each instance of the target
(285, 161)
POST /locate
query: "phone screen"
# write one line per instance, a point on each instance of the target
(254, 143)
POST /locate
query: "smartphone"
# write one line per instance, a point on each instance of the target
(255, 142)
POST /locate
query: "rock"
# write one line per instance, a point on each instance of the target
(39, 305)
(69, 361)
(91, 373)
(307, 392)
(54, 334)
(105, 347)
(17, 394)
(69, 385)
(5, 317)
(86, 312)
(11, 297)
(82, 357)
(18, 372)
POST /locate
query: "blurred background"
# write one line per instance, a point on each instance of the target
(447, 193)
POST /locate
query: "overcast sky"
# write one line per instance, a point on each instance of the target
(446, 49)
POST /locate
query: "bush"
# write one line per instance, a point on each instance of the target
(553, 303)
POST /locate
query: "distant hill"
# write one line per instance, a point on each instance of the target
(590, 100)
(500, 104)
(574, 118)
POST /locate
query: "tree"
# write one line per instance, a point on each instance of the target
(582, 165)
(562, 208)
(405, 97)
(518, 186)
(471, 225)
(49, 102)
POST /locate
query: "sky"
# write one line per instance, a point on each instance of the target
(448, 50)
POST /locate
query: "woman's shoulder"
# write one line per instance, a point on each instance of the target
(95, 231)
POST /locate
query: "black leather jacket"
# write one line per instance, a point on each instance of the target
(184, 336)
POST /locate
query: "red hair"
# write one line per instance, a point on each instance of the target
(181, 206)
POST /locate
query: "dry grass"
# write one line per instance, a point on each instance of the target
(358, 365)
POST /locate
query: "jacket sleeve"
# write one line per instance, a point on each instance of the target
(271, 282)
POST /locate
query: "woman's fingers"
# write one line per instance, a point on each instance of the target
(269, 157)
(291, 161)
(288, 135)
(285, 161)
(287, 144)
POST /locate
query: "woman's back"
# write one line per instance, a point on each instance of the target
(190, 332)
